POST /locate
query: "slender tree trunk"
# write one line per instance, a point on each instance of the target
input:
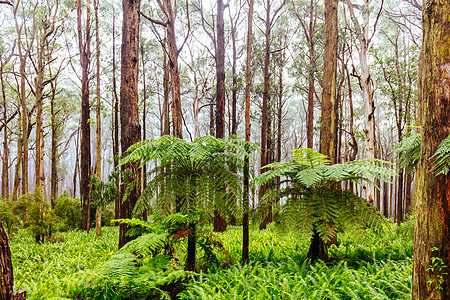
(248, 78)
(220, 223)
(311, 87)
(432, 208)
(85, 145)
(234, 76)
(177, 118)
(23, 103)
(129, 116)
(17, 169)
(5, 166)
(399, 214)
(116, 118)
(144, 129)
(264, 112)
(366, 86)
(166, 87)
(54, 158)
(98, 163)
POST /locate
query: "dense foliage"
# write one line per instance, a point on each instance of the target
(371, 266)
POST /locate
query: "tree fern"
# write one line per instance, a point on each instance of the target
(312, 199)
(190, 176)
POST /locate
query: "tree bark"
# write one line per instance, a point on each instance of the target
(116, 118)
(6, 267)
(129, 116)
(366, 86)
(328, 134)
(85, 145)
(220, 223)
(23, 103)
(5, 165)
(248, 79)
(432, 208)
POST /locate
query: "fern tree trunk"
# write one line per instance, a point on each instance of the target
(191, 248)
(317, 249)
(432, 205)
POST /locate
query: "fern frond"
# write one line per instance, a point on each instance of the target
(441, 157)
(145, 245)
(407, 152)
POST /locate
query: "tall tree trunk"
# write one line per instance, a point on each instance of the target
(328, 137)
(98, 163)
(129, 116)
(23, 103)
(17, 169)
(116, 118)
(366, 86)
(432, 208)
(248, 79)
(220, 223)
(85, 145)
(177, 118)
(54, 154)
(5, 166)
(234, 76)
(144, 129)
(6, 267)
(264, 111)
(399, 214)
(166, 87)
(312, 70)
(328, 133)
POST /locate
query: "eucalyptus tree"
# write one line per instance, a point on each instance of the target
(432, 209)
(246, 171)
(364, 37)
(170, 10)
(129, 117)
(84, 46)
(328, 133)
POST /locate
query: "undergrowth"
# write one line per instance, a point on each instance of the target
(362, 265)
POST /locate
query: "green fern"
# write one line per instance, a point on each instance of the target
(312, 199)
(407, 152)
(441, 157)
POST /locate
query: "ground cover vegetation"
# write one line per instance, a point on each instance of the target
(365, 265)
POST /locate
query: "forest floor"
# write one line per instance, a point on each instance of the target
(363, 265)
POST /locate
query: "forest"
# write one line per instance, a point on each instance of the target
(203, 149)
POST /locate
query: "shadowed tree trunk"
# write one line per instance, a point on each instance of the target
(85, 145)
(220, 223)
(248, 78)
(98, 162)
(129, 116)
(115, 120)
(432, 205)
